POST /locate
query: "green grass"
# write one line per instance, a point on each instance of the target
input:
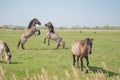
(106, 48)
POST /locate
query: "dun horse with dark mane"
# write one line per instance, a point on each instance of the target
(29, 32)
(4, 48)
(53, 36)
(81, 49)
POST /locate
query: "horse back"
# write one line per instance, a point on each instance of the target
(1, 46)
(78, 48)
(55, 37)
(75, 47)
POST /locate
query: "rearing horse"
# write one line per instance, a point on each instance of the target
(29, 32)
(53, 36)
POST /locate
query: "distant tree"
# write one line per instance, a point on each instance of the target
(106, 26)
(97, 27)
(19, 27)
(5, 27)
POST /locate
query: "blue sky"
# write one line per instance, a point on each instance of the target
(61, 12)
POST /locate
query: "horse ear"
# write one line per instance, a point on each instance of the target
(49, 23)
(34, 18)
(92, 39)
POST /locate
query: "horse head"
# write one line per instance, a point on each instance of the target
(33, 22)
(89, 42)
(37, 21)
(8, 57)
(50, 27)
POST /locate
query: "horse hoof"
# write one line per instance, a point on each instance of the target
(56, 48)
(23, 48)
(87, 71)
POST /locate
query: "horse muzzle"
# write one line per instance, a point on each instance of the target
(90, 52)
(39, 23)
(46, 25)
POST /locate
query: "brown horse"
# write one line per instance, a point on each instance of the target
(53, 36)
(81, 49)
(4, 48)
(29, 32)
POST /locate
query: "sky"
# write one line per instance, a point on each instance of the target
(66, 13)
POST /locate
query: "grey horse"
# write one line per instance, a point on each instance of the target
(29, 31)
(53, 36)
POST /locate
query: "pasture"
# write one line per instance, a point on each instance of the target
(38, 56)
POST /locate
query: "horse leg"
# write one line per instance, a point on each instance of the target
(22, 46)
(19, 43)
(58, 45)
(2, 58)
(45, 40)
(63, 44)
(48, 41)
(87, 64)
(87, 60)
(22, 43)
(81, 59)
(38, 32)
(78, 61)
(73, 60)
(1, 54)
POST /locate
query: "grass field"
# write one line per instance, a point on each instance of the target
(39, 56)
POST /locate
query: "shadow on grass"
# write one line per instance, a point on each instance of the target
(45, 49)
(11, 62)
(16, 62)
(96, 69)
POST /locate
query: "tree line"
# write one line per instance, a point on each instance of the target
(107, 27)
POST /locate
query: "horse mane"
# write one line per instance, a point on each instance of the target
(84, 41)
(88, 39)
(6, 48)
(30, 23)
(51, 28)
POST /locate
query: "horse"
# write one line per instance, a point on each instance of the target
(4, 48)
(53, 36)
(81, 49)
(29, 31)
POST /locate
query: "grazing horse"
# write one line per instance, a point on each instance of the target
(81, 49)
(29, 32)
(53, 36)
(4, 48)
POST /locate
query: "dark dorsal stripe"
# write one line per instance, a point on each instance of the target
(6, 48)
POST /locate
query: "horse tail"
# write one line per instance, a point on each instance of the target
(63, 44)
(18, 43)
